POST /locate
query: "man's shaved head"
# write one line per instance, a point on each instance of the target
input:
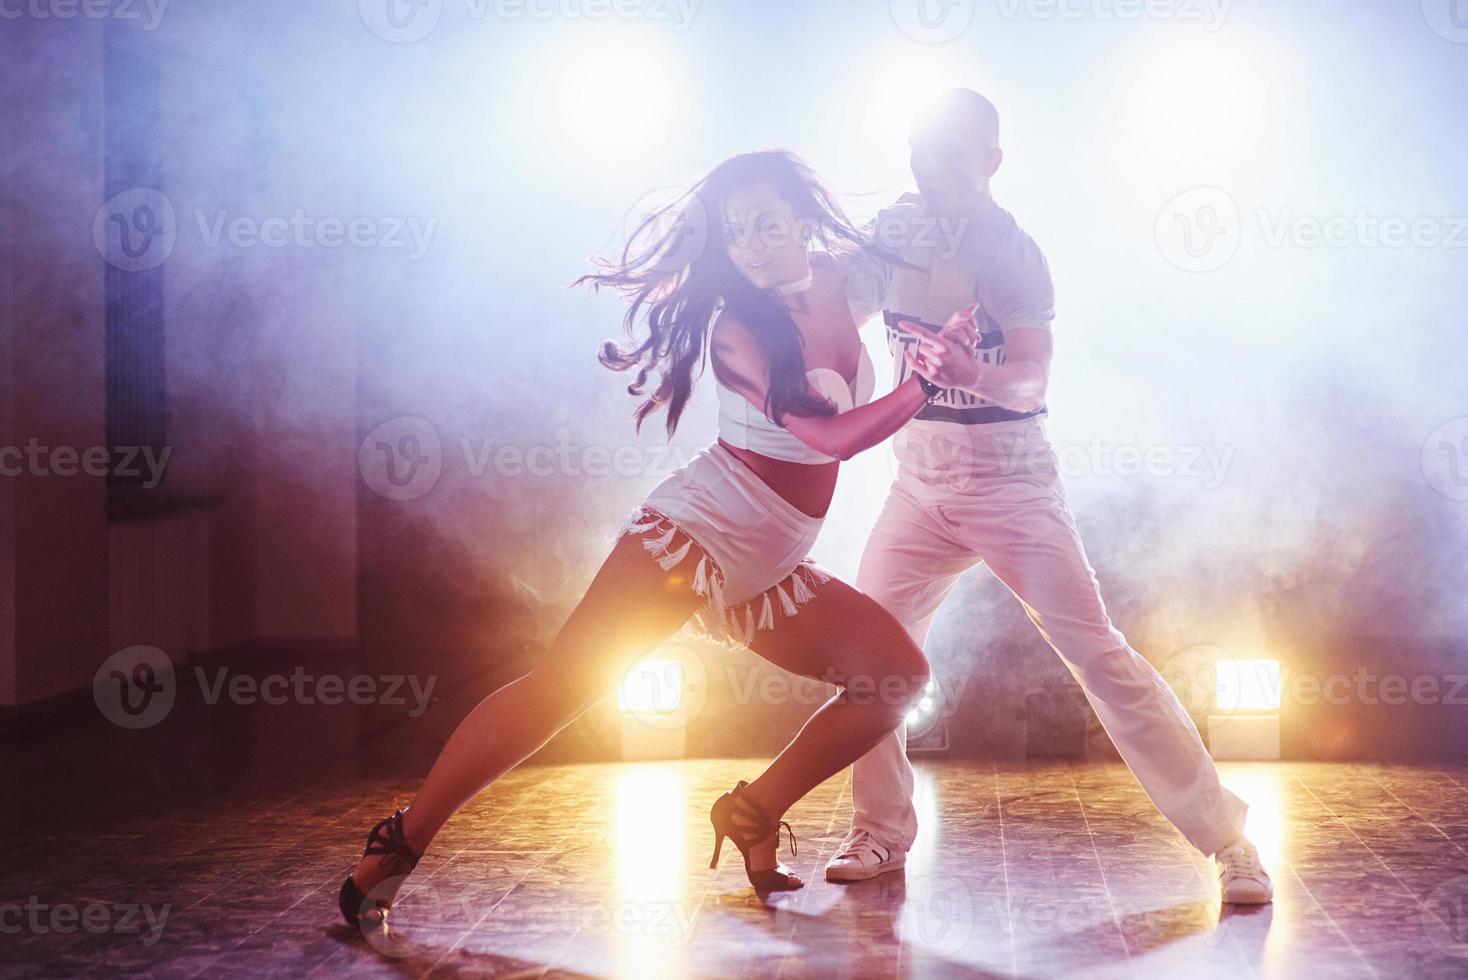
(964, 108)
(955, 149)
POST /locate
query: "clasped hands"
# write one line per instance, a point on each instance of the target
(948, 358)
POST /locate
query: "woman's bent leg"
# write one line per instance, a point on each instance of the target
(631, 607)
(844, 637)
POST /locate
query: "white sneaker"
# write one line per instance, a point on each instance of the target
(1243, 879)
(861, 857)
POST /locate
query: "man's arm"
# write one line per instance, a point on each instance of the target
(1023, 307)
(1019, 384)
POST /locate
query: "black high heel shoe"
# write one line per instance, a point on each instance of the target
(756, 826)
(388, 840)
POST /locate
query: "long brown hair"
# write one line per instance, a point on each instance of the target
(675, 267)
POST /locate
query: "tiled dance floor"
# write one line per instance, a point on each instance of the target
(601, 870)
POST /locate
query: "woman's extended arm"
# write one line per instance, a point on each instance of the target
(739, 364)
(947, 358)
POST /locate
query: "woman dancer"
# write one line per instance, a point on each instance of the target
(725, 537)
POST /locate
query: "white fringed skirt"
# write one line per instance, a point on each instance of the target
(754, 567)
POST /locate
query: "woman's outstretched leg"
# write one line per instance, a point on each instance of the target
(631, 607)
(844, 637)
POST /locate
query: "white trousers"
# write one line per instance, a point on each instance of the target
(1008, 509)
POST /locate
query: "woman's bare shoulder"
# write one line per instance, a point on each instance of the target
(734, 350)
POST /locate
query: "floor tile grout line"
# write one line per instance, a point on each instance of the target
(1096, 856)
(1321, 905)
(1451, 778)
(362, 805)
(1333, 924)
(1004, 863)
(556, 850)
(1410, 809)
(1359, 839)
(518, 881)
(528, 792)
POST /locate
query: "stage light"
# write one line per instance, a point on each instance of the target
(1245, 719)
(1248, 685)
(875, 109)
(585, 86)
(927, 729)
(659, 697)
(924, 707)
(652, 686)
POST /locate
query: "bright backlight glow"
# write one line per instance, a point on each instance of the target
(652, 686)
(1248, 685)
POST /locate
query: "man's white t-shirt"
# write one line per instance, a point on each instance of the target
(984, 257)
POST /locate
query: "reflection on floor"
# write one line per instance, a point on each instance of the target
(601, 870)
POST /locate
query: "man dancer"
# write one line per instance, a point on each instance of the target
(978, 481)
